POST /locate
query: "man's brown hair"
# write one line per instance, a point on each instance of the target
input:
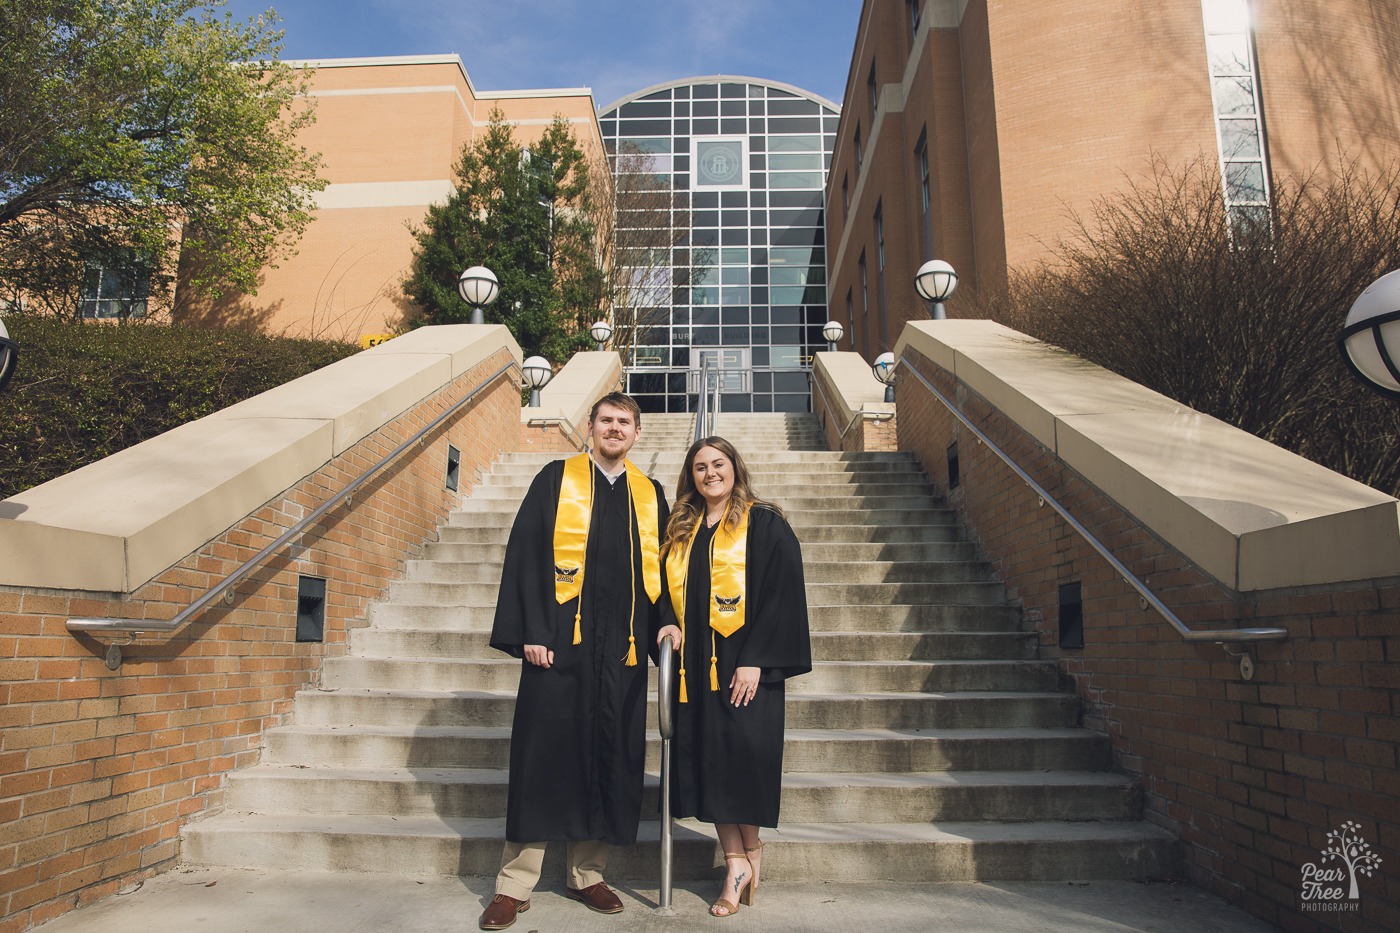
(618, 400)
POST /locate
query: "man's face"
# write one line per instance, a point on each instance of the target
(613, 432)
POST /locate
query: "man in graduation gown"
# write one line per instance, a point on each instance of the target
(578, 603)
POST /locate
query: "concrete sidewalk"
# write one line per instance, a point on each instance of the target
(233, 901)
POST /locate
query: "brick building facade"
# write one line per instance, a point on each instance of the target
(389, 131)
(972, 129)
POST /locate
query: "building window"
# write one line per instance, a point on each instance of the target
(925, 199)
(1239, 126)
(874, 90)
(865, 300)
(115, 289)
(850, 316)
(845, 194)
(860, 152)
(880, 271)
(913, 7)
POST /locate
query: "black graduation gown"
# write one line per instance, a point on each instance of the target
(727, 761)
(578, 743)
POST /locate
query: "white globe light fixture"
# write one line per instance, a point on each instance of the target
(833, 331)
(936, 281)
(1370, 340)
(537, 372)
(9, 356)
(601, 331)
(884, 371)
(478, 288)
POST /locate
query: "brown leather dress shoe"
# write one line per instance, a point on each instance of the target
(500, 913)
(597, 897)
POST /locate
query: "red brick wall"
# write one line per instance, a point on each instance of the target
(99, 768)
(1252, 775)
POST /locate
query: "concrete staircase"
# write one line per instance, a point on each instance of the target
(928, 744)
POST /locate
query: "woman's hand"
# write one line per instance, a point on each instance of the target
(674, 631)
(539, 655)
(743, 685)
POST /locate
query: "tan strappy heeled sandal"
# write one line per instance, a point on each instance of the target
(745, 893)
(754, 867)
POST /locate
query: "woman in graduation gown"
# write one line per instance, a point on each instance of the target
(734, 572)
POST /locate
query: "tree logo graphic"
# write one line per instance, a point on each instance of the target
(1323, 882)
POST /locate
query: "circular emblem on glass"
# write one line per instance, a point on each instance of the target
(720, 163)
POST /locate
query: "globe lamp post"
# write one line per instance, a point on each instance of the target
(478, 287)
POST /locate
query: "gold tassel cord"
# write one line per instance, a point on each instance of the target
(631, 576)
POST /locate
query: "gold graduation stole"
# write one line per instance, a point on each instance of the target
(571, 523)
(728, 561)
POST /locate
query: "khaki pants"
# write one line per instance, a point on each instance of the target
(521, 862)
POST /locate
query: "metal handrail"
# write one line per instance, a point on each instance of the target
(224, 588)
(707, 404)
(575, 436)
(665, 690)
(855, 416)
(1214, 635)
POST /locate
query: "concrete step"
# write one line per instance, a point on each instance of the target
(986, 593)
(832, 571)
(910, 852)
(411, 708)
(813, 552)
(887, 617)
(503, 673)
(826, 750)
(785, 485)
(801, 511)
(479, 793)
(868, 459)
(826, 646)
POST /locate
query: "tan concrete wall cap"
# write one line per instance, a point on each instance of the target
(115, 524)
(850, 385)
(1251, 514)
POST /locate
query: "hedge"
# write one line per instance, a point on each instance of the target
(85, 391)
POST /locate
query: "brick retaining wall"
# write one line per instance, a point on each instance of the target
(1252, 775)
(98, 768)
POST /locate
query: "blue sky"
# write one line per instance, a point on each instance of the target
(615, 47)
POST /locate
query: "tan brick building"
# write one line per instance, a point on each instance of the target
(389, 131)
(972, 128)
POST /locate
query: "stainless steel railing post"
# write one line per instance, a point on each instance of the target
(666, 682)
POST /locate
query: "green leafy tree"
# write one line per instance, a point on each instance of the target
(529, 216)
(151, 137)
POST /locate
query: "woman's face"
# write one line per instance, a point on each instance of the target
(713, 475)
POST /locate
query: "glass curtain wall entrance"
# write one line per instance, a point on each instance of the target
(747, 161)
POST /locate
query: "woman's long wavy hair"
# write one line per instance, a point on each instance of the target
(689, 506)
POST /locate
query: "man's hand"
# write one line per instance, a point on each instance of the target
(674, 631)
(539, 655)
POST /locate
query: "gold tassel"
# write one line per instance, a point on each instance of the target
(578, 630)
(684, 698)
(714, 666)
(631, 651)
